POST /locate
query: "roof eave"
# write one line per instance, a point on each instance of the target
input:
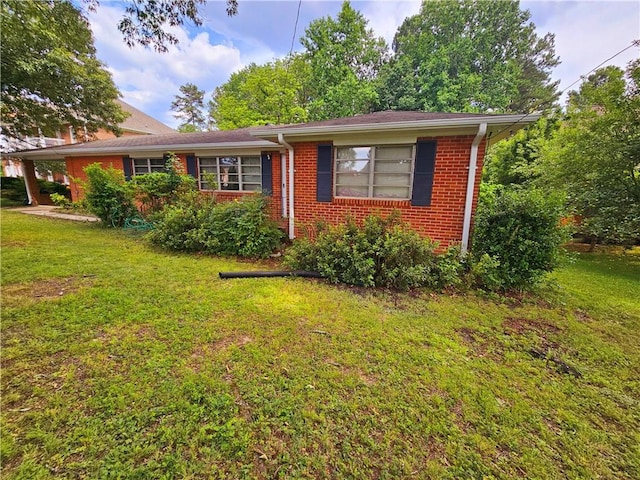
(55, 153)
(492, 120)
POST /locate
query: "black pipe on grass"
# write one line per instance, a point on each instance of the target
(268, 274)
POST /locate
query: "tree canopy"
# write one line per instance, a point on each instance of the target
(273, 93)
(145, 21)
(469, 56)
(344, 58)
(595, 156)
(50, 74)
(189, 107)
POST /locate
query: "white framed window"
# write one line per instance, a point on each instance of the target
(142, 166)
(384, 172)
(230, 173)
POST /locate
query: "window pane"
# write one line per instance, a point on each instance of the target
(252, 187)
(251, 179)
(353, 166)
(229, 186)
(391, 192)
(393, 166)
(348, 191)
(354, 153)
(403, 152)
(207, 162)
(250, 161)
(157, 162)
(255, 170)
(352, 179)
(389, 179)
(228, 161)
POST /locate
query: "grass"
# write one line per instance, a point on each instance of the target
(120, 361)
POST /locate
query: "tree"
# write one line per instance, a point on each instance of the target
(145, 21)
(345, 58)
(595, 156)
(471, 56)
(515, 161)
(189, 107)
(51, 77)
(273, 93)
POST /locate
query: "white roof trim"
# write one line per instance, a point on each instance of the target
(54, 153)
(406, 125)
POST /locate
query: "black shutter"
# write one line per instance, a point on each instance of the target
(192, 166)
(324, 173)
(126, 166)
(266, 159)
(423, 173)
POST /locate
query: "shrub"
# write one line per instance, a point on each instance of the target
(517, 239)
(108, 196)
(381, 253)
(198, 223)
(60, 200)
(154, 190)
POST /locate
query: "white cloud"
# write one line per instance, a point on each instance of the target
(587, 33)
(386, 16)
(150, 80)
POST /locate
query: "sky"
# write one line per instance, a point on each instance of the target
(586, 34)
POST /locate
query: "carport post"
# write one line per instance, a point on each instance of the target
(31, 182)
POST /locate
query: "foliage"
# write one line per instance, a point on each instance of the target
(146, 21)
(292, 378)
(345, 58)
(108, 195)
(595, 156)
(196, 223)
(51, 77)
(517, 238)
(273, 93)
(50, 167)
(60, 200)
(380, 252)
(189, 107)
(14, 188)
(469, 56)
(516, 160)
(154, 190)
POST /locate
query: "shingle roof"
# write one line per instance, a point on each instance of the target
(141, 122)
(388, 116)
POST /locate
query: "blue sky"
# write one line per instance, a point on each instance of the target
(587, 32)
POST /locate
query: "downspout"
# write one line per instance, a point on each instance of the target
(281, 141)
(283, 183)
(473, 166)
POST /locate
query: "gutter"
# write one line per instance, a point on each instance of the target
(471, 179)
(281, 141)
(410, 124)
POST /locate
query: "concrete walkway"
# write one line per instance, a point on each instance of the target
(54, 212)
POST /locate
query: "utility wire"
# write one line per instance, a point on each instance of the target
(295, 28)
(634, 43)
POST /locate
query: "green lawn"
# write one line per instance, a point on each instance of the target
(120, 361)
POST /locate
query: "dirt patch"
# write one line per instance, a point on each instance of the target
(582, 316)
(204, 350)
(521, 325)
(481, 344)
(47, 289)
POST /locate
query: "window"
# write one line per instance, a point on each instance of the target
(230, 173)
(374, 172)
(148, 165)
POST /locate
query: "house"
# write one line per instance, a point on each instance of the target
(137, 123)
(425, 165)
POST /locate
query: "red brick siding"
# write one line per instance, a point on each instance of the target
(441, 221)
(76, 166)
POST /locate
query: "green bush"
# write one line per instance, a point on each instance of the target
(108, 195)
(154, 190)
(60, 200)
(198, 223)
(379, 253)
(517, 239)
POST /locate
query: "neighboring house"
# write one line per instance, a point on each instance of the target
(137, 123)
(425, 165)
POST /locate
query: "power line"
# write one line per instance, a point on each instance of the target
(295, 28)
(634, 43)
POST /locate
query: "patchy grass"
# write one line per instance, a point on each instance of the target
(119, 361)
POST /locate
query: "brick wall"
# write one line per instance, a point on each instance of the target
(441, 221)
(76, 165)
